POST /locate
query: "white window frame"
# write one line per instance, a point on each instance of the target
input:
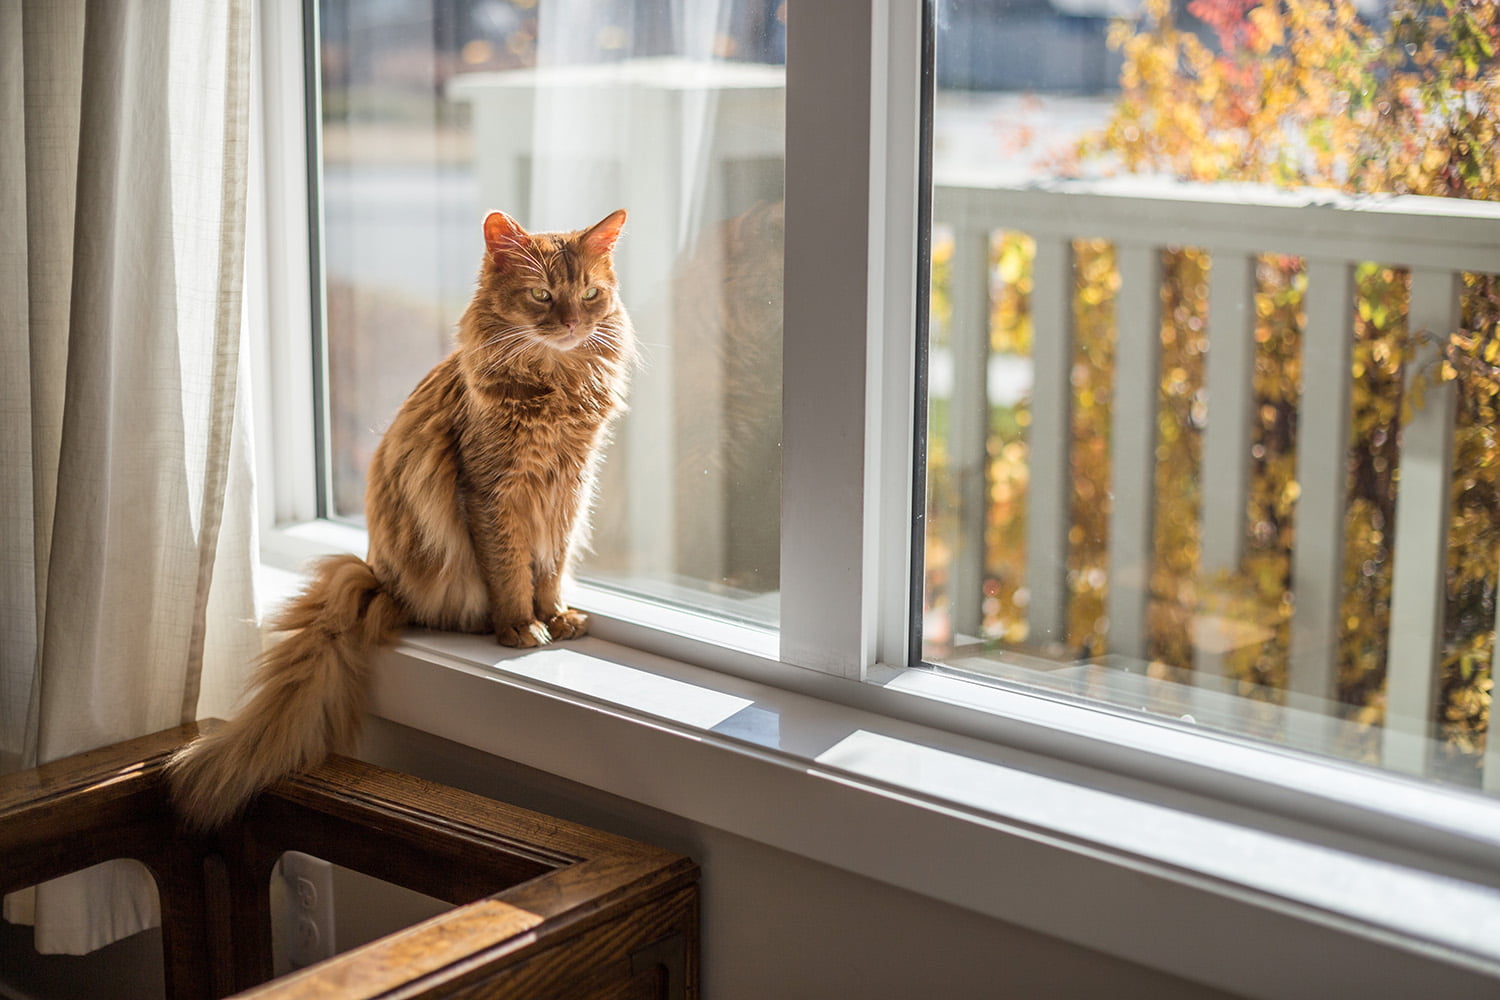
(842, 662)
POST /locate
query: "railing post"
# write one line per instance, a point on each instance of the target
(1414, 657)
(968, 424)
(1133, 446)
(1231, 383)
(1226, 440)
(1049, 441)
(1322, 461)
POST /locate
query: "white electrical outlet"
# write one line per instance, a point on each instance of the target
(309, 908)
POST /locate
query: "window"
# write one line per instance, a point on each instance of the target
(1201, 443)
(435, 112)
(929, 492)
(1212, 452)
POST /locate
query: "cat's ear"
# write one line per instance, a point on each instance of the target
(602, 236)
(502, 233)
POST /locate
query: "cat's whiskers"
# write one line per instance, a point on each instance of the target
(512, 332)
(506, 353)
(503, 348)
(602, 337)
(608, 330)
(509, 353)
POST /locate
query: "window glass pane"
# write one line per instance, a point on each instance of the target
(435, 112)
(1212, 377)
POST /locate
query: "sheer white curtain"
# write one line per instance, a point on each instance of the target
(124, 471)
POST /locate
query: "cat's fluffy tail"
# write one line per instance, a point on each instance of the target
(310, 693)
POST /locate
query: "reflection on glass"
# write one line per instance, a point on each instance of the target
(557, 111)
(1185, 455)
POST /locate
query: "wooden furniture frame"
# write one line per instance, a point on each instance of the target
(544, 908)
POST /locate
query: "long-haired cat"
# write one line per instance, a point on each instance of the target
(477, 497)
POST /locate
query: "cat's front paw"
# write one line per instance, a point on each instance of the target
(523, 635)
(568, 624)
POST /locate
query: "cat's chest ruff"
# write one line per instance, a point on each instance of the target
(556, 396)
(549, 416)
(512, 397)
(533, 444)
(514, 391)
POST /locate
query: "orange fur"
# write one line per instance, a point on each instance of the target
(477, 499)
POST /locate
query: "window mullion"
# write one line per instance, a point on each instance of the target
(898, 279)
(851, 179)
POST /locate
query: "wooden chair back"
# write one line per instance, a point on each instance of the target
(543, 908)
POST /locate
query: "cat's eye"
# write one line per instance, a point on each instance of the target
(590, 293)
(541, 295)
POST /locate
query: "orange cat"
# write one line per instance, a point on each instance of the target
(477, 497)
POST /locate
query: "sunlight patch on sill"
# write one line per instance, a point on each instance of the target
(614, 684)
(1445, 909)
(1453, 811)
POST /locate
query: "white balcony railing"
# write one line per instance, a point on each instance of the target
(1436, 240)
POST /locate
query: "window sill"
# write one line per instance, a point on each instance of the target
(1160, 879)
(1019, 816)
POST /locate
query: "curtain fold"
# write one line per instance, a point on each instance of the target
(122, 188)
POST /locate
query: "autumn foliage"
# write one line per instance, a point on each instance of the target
(1308, 93)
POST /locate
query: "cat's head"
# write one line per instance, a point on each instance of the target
(553, 291)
